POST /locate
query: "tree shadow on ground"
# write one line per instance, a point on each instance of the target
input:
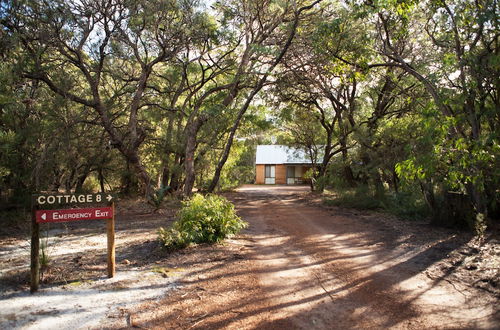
(352, 294)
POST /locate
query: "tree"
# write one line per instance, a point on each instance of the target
(258, 38)
(463, 86)
(325, 87)
(101, 55)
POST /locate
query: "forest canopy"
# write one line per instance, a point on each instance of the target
(396, 97)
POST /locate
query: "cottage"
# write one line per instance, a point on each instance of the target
(278, 164)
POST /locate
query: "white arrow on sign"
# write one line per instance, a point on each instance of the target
(109, 198)
(44, 216)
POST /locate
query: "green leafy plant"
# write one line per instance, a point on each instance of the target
(202, 219)
(44, 254)
(158, 196)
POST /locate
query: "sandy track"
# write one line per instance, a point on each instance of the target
(303, 267)
(330, 270)
(298, 266)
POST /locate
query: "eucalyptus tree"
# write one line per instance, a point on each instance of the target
(461, 45)
(45, 139)
(268, 29)
(101, 54)
(187, 92)
(215, 79)
(320, 87)
(335, 73)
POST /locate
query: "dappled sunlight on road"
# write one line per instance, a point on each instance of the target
(298, 266)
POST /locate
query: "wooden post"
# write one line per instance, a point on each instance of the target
(111, 243)
(35, 252)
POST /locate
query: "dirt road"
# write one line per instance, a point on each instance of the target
(302, 267)
(299, 265)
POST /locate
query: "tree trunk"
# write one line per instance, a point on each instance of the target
(142, 174)
(175, 176)
(168, 152)
(227, 150)
(165, 175)
(395, 180)
(101, 180)
(191, 139)
(478, 199)
(379, 185)
(254, 92)
(320, 186)
(129, 181)
(428, 192)
(68, 184)
(348, 174)
(80, 182)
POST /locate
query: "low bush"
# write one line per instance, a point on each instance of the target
(202, 219)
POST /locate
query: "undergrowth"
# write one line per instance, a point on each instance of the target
(202, 219)
(404, 204)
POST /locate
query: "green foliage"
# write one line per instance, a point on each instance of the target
(405, 134)
(158, 196)
(361, 197)
(404, 204)
(202, 219)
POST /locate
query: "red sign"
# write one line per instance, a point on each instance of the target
(98, 213)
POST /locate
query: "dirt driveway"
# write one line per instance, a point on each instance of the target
(299, 265)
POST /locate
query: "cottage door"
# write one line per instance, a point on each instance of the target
(290, 174)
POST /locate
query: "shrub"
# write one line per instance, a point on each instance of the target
(202, 219)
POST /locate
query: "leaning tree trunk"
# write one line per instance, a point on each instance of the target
(320, 179)
(478, 198)
(227, 149)
(80, 181)
(348, 174)
(427, 189)
(101, 180)
(166, 172)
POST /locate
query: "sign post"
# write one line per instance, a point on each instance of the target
(111, 243)
(45, 215)
(35, 252)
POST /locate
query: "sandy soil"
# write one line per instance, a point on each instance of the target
(299, 265)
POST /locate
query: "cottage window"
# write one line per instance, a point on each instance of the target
(270, 171)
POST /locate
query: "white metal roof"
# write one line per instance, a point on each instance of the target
(279, 154)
